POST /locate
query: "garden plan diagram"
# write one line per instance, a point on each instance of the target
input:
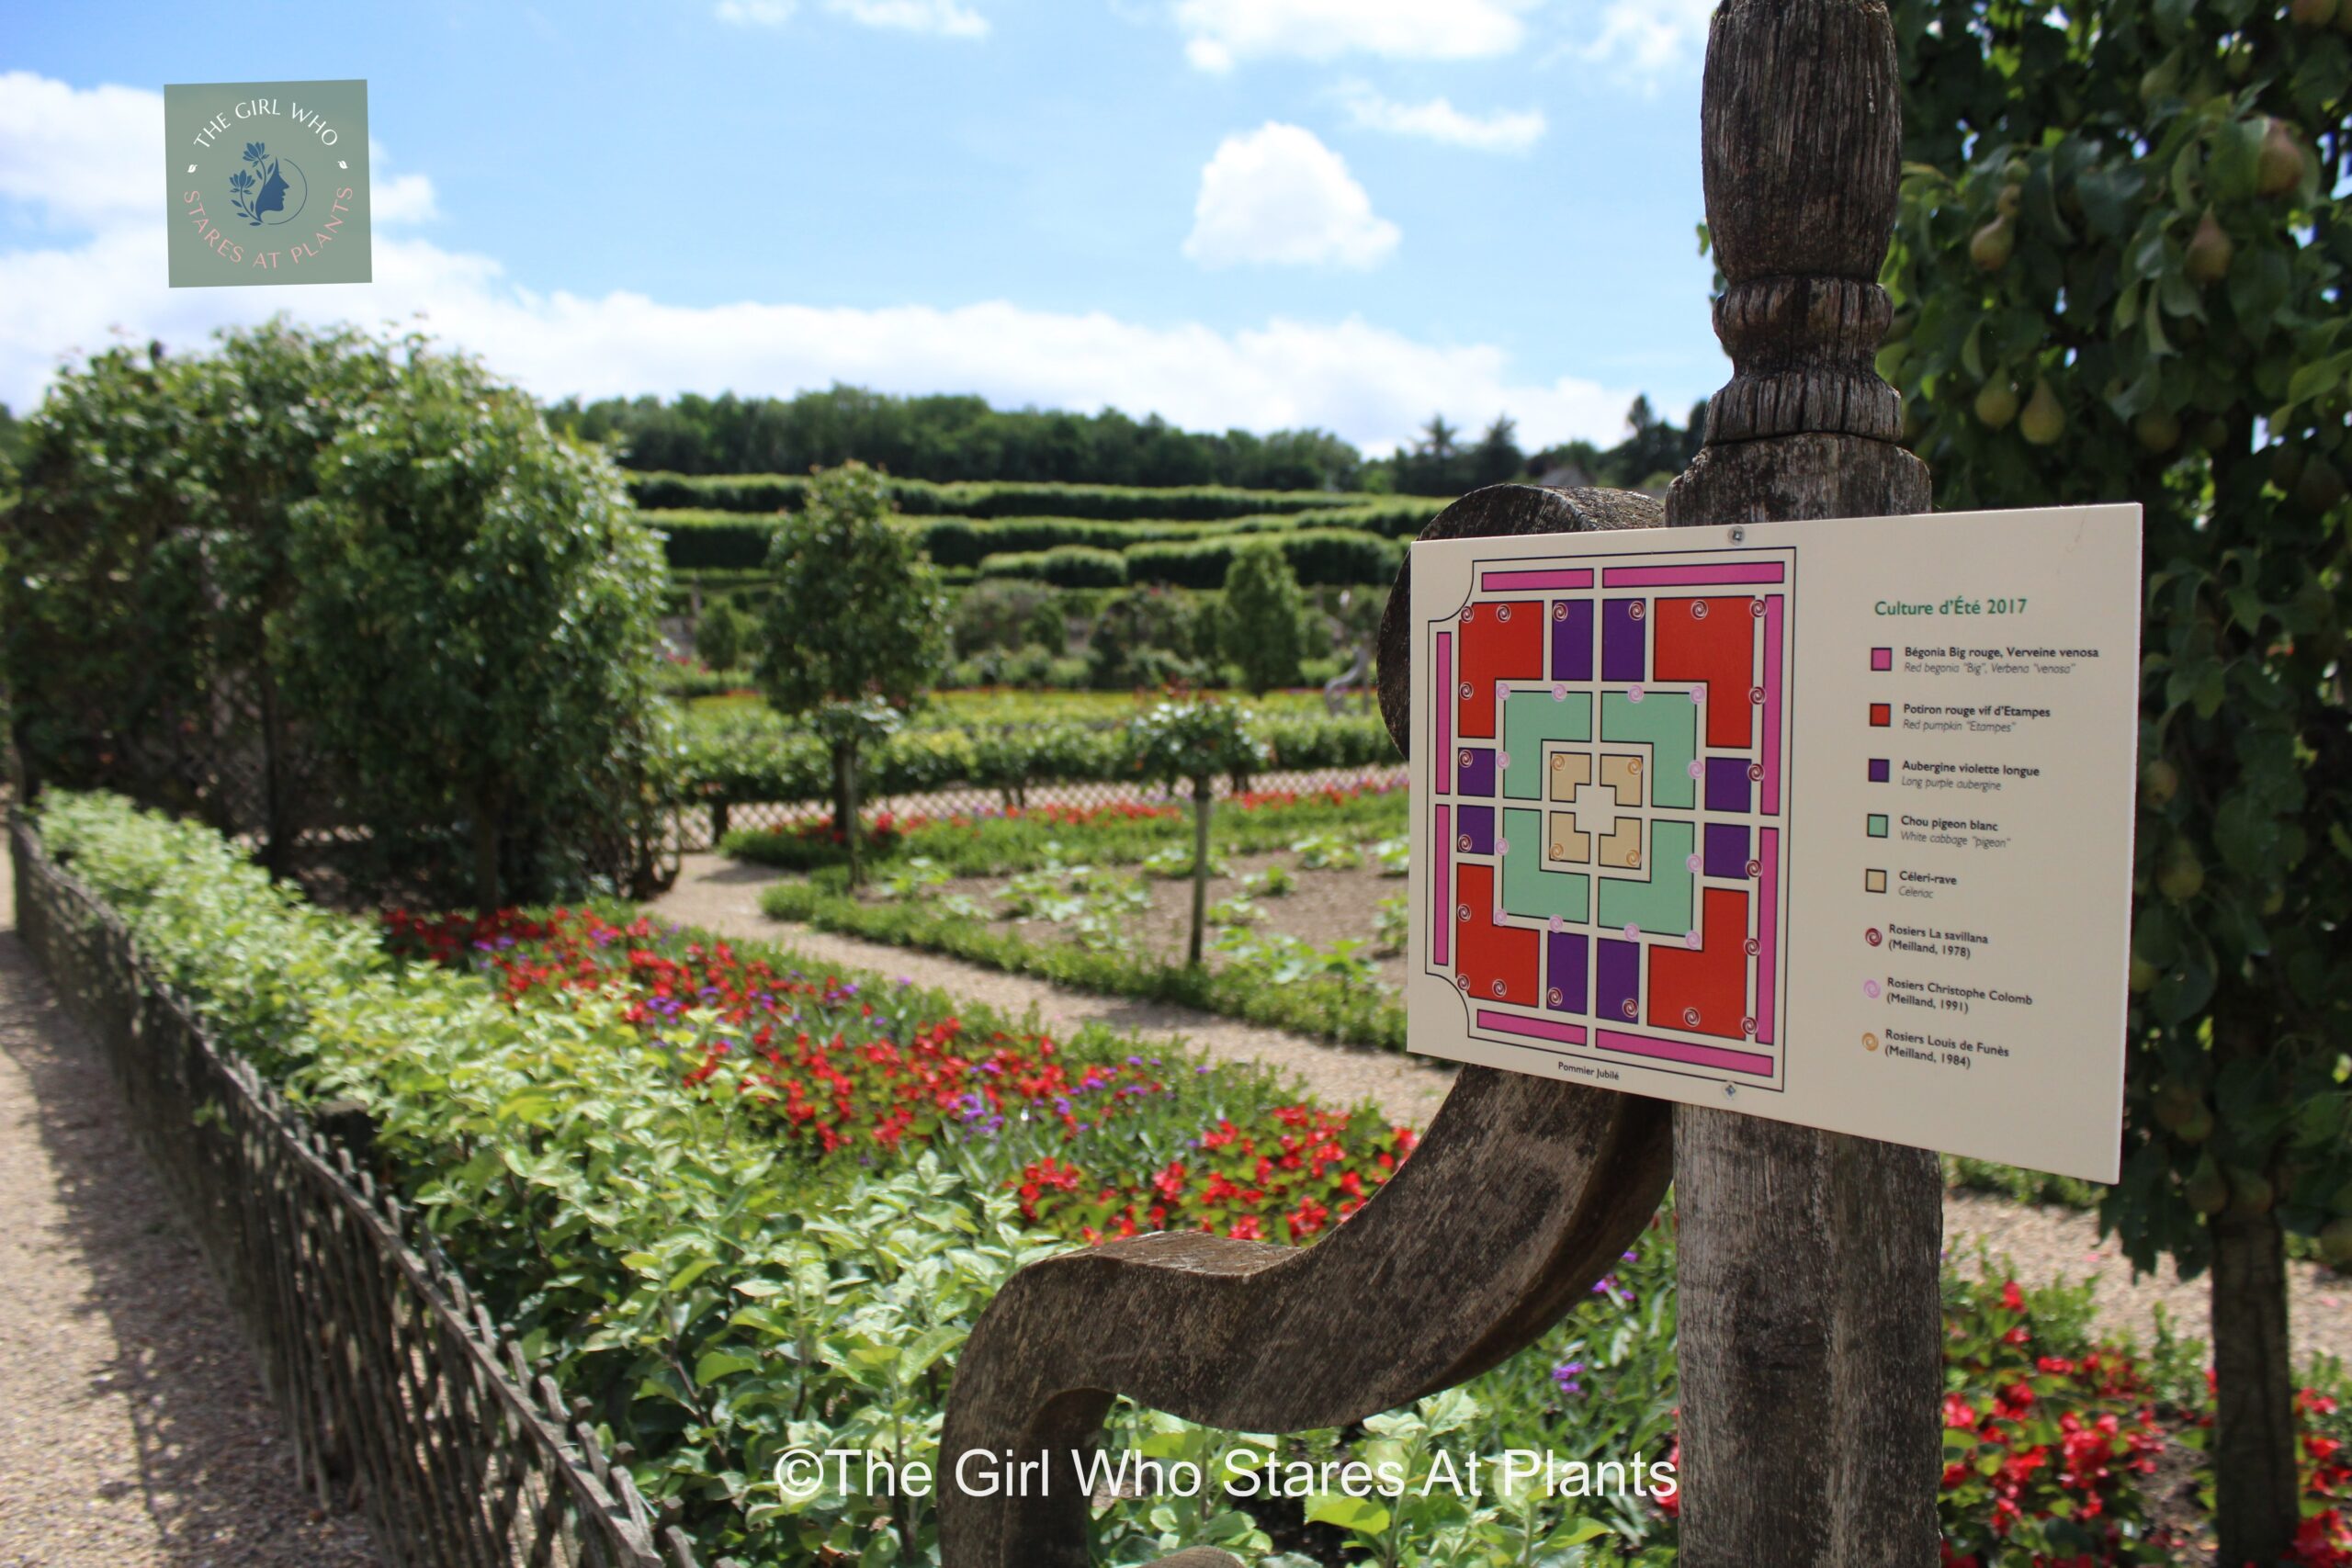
(1778, 819)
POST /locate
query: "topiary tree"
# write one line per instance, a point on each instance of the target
(857, 629)
(471, 629)
(1195, 741)
(2119, 274)
(722, 634)
(1265, 621)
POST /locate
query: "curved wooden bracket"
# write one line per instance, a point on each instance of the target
(1522, 1193)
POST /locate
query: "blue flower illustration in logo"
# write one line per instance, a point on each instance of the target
(268, 189)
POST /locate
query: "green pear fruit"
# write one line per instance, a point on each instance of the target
(1993, 245)
(2043, 420)
(2278, 168)
(2157, 429)
(2209, 253)
(1996, 404)
(2182, 877)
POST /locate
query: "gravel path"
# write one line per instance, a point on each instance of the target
(2042, 1242)
(133, 1430)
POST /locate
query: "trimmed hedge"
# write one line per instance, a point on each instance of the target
(1066, 565)
(1192, 554)
(1340, 557)
(920, 498)
(753, 757)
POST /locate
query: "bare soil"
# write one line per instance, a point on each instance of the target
(1327, 905)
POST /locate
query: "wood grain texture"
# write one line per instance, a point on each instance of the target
(1522, 1193)
(1811, 1328)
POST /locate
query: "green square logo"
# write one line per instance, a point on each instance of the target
(267, 182)
(1877, 825)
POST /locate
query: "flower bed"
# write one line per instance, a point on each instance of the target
(870, 1084)
(581, 1106)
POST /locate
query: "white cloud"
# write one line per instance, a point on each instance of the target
(1652, 38)
(1278, 195)
(756, 13)
(1505, 131)
(1372, 384)
(398, 198)
(945, 17)
(82, 158)
(1219, 33)
(949, 18)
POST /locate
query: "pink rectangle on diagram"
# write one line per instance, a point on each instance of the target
(1767, 932)
(1444, 705)
(1531, 1027)
(1495, 582)
(1696, 1055)
(1440, 909)
(1694, 576)
(1773, 671)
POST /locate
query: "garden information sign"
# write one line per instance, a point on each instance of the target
(266, 182)
(1827, 821)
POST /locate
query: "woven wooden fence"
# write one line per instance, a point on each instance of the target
(392, 1381)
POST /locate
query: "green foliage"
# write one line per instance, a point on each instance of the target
(2120, 209)
(788, 492)
(857, 626)
(754, 756)
(1339, 557)
(1263, 626)
(952, 438)
(1196, 740)
(149, 546)
(996, 845)
(1327, 1005)
(722, 634)
(1145, 637)
(471, 629)
(1065, 566)
(855, 612)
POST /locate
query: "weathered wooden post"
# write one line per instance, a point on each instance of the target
(1811, 1331)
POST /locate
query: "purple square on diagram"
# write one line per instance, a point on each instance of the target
(1476, 835)
(1565, 980)
(1879, 770)
(1727, 848)
(1620, 977)
(1476, 773)
(1727, 784)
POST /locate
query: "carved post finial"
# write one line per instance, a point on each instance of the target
(1800, 134)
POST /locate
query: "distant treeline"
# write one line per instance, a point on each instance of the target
(948, 438)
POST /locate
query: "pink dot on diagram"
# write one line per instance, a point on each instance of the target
(1617, 730)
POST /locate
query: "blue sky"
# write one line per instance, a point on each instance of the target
(1257, 212)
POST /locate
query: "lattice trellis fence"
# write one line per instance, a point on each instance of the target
(702, 828)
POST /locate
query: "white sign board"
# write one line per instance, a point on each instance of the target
(1828, 822)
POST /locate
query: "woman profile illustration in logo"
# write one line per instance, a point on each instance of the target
(261, 187)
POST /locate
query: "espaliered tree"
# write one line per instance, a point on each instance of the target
(471, 629)
(857, 628)
(1196, 740)
(2121, 273)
